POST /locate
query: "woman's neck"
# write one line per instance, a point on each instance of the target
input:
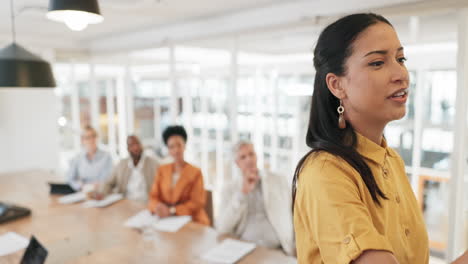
(374, 136)
(178, 165)
(371, 130)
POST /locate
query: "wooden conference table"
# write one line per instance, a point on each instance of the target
(73, 234)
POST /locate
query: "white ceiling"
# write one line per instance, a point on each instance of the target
(121, 16)
(432, 28)
(268, 26)
(256, 19)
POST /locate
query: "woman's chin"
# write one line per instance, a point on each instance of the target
(397, 115)
(179, 160)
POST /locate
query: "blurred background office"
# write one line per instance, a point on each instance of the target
(230, 70)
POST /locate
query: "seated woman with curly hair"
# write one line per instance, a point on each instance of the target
(178, 187)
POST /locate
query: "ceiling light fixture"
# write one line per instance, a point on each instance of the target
(76, 14)
(21, 68)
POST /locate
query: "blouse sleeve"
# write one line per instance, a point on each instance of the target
(328, 201)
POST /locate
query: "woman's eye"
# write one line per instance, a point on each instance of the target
(402, 59)
(376, 63)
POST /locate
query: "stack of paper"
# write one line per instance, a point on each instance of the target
(229, 251)
(171, 224)
(72, 198)
(104, 202)
(12, 242)
(146, 219)
(142, 219)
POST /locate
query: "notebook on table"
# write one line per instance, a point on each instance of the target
(60, 188)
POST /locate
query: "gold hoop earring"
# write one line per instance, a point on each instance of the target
(341, 120)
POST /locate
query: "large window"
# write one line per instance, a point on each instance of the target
(439, 114)
(152, 112)
(206, 114)
(65, 119)
(436, 147)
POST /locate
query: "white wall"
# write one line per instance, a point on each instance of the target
(28, 129)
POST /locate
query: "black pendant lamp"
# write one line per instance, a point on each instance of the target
(76, 14)
(21, 68)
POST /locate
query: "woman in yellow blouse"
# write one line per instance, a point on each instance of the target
(352, 200)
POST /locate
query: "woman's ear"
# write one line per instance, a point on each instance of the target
(335, 86)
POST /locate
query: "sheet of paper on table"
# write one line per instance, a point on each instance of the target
(110, 199)
(12, 242)
(229, 251)
(72, 198)
(141, 220)
(171, 224)
(144, 219)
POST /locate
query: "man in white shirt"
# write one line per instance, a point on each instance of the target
(132, 176)
(92, 165)
(257, 208)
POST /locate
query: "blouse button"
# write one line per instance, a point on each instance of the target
(397, 199)
(407, 232)
(347, 240)
(385, 173)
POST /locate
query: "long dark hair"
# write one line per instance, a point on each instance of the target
(333, 48)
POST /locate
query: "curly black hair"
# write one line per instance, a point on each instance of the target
(174, 131)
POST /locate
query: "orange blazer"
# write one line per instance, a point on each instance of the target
(188, 195)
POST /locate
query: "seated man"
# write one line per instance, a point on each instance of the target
(257, 208)
(91, 166)
(132, 176)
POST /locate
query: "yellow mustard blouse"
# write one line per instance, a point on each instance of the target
(335, 218)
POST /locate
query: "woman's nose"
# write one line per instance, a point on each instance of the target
(400, 73)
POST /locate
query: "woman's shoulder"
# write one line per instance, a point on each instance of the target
(325, 165)
(192, 168)
(164, 168)
(321, 159)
